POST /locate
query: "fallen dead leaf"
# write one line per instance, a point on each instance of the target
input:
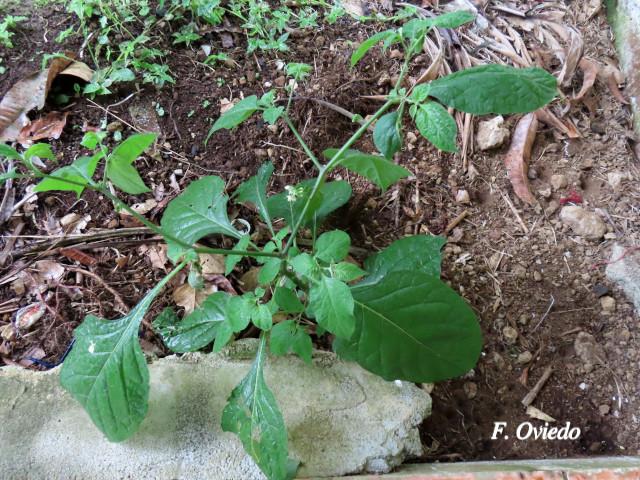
(212, 264)
(48, 127)
(533, 412)
(590, 71)
(189, 298)
(566, 127)
(31, 93)
(49, 271)
(141, 208)
(78, 256)
(517, 158)
(157, 255)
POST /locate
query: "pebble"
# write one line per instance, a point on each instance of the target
(510, 334)
(615, 179)
(558, 182)
(608, 304)
(552, 208)
(470, 389)
(600, 290)
(537, 276)
(524, 357)
(589, 351)
(545, 192)
(462, 196)
(491, 133)
(604, 409)
(280, 81)
(582, 222)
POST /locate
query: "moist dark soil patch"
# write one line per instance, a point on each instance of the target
(539, 282)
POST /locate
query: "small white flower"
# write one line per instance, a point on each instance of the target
(92, 347)
(293, 193)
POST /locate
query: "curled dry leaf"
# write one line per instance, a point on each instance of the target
(517, 158)
(538, 414)
(573, 56)
(212, 264)
(31, 92)
(566, 127)
(590, 71)
(49, 271)
(48, 127)
(189, 298)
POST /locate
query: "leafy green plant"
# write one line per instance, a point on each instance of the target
(7, 24)
(393, 315)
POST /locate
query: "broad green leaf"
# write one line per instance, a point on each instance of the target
(287, 300)
(261, 316)
(420, 253)
(331, 247)
(92, 139)
(200, 210)
(331, 302)
(269, 271)
(332, 196)
(254, 191)
(412, 326)
(271, 115)
(239, 311)
(302, 264)
(11, 174)
(40, 150)
(347, 272)
(378, 169)
(496, 89)
(287, 337)
(452, 19)
(119, 164)
(232, 260)
(7, 152)
(106, 370)
(369, 43)
(196, 330)
(252, 413)
(420, 93)
(386, 135)
(80, 171)
(436, 125)
(234, 117)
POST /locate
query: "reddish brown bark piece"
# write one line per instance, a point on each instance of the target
(518, 156)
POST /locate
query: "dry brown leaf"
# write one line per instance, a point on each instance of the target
(189, 298)
(538, 414)
(28, 94)
(27, 316)
(566, 127)
(157, 255)
(79, 70)
(212, 264)
(49, 271)
(573, 56)
(48, 127)
(590, 70)
(517, 158)
(357, 8)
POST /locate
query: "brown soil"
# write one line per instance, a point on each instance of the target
(509, 276)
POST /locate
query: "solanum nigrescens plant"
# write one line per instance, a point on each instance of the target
(394, 316)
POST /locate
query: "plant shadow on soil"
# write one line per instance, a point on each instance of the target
(508, 276)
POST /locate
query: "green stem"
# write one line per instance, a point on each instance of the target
(302, 143)
(152, 226)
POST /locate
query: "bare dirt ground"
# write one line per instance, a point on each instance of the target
(535, 285)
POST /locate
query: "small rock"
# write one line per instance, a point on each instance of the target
(604, 409)
(582, 222)
(491, 133)
(463, 197)
(589, 351)
(600, 290)
(551, 208)
(524, 357)
(537, 276)
(510, 334)
(280, 81)
(545, 192)
(608, 304)
(624, 269)
(411, 138)
(532, 174)
(615, 179)
(558, 182)
(470, 390)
